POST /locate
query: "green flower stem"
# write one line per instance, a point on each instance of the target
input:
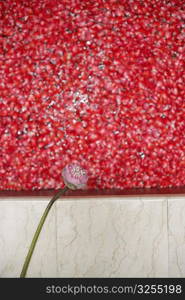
(37, 232)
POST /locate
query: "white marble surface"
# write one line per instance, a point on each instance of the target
(176, 215)
(115, 237)
(18, 222)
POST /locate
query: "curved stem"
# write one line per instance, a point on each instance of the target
(38, 230)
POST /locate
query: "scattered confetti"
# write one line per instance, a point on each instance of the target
(96, 83)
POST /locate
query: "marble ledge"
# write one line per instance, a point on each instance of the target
(130, 193)
(97, 238)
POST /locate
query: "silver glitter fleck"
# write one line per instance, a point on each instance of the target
(53, 61)
(116, 132)
(51, 103)
(23, 109)
(141, 154)
(48, 145)
(163, 116)
(101, 67)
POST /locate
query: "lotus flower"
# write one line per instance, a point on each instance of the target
(75, 177)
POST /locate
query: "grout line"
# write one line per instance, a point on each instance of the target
(168, 232)
(56, 239)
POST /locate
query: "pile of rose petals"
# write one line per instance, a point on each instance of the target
(101, 83)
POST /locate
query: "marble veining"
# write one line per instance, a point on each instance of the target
(112, 239)
(93, 237)
(18, 222)
(176, 212)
